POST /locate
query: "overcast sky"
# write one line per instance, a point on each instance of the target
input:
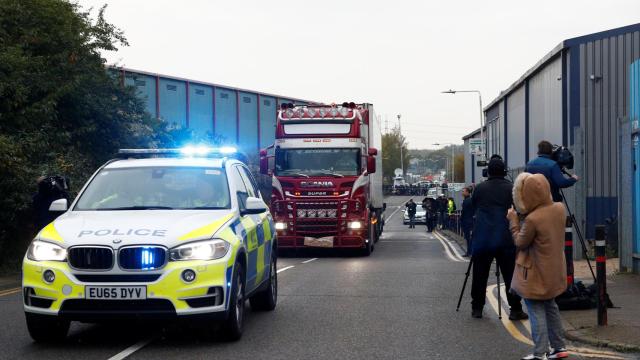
(397, 55)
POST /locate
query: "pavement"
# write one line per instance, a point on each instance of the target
(398, 303)
(623, 330)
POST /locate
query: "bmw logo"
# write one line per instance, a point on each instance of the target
(117, 241)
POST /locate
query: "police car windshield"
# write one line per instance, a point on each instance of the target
(317, 162)
(156, 188)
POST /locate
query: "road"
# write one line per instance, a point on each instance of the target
(399, 303)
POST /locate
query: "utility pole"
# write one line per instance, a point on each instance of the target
(386, 124)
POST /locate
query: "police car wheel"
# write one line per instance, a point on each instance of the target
(234, 324)
(46, 328)
(267, 299)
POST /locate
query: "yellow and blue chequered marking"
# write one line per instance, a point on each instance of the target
(256, 233)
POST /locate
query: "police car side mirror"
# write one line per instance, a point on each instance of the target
(59, 205)
(254, 205)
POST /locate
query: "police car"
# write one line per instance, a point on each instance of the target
(160, 234)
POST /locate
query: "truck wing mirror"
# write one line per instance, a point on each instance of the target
(371, 164)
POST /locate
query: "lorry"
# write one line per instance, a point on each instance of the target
(326, 175)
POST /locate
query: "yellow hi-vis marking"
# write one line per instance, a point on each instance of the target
(260, 264)
(50, 233)
(207, 230)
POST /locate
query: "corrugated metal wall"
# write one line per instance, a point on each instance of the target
(545, 106)
(516, 128)
(243, 118)
(603, 83)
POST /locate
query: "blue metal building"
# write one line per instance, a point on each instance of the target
(577, 95)
(241, 117)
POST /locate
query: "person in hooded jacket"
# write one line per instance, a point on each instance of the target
(491, 238)
(540, 273)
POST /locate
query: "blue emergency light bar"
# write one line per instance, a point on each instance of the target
(186, 151)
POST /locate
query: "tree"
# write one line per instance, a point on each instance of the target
(459, 166)
(61, 112)
(391, 144)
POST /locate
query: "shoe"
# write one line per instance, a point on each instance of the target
(560, 353)
(518, 315)
(476, 313)
(534, 357)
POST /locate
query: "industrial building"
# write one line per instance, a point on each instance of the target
(241, 117)
(578, 95)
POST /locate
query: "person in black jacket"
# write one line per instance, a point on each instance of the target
(492, 239)
(411, 211)
(466, 218)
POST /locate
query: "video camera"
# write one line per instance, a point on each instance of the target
(562, 156)
(55, 184)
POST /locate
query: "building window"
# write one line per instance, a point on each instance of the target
(172, 87)
(266, 103)
(140, 83)
(224, 96)
(246, 100)
(199, 92)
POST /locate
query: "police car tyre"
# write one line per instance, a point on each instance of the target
(233, 326)
(267, 299)
(46, 328)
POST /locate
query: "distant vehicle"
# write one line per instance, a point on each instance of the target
(435, 193)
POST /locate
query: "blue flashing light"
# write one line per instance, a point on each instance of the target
(190, 150)
(228, 150)
(146, 258)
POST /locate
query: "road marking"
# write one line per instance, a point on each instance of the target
(446, 249)
(393, 213)
(10, 291)
(511, 329)
(310, 260)
(452, 246)
(284, 268)
(131, 349)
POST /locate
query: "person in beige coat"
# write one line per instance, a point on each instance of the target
(540, 272)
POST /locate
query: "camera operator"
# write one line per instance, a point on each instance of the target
(49, 189)
(545, 164)
(492, 239)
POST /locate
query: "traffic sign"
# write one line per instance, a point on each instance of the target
(476, 146)
(397, 172)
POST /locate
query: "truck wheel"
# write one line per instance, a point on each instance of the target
(368, 247)
(233, 326)
(267, 299)
(46, 328)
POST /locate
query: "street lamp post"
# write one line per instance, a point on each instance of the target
(482, 121)
(401, 146)
(453, 166)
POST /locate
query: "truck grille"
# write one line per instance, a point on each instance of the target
(90, 258)
(142, 257)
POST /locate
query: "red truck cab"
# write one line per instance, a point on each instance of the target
(326, 190)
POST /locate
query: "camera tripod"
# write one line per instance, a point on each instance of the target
(574, 223)
(464, 285)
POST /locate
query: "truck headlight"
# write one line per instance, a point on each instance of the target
(46, 251)
(354, 225)
(200, 250)
(280, 226)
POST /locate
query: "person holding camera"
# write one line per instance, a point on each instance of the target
(540, 274)
(545, 164)
(491, 238)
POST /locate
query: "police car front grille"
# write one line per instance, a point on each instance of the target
(126, 278)
(90, 258)
(142, 257)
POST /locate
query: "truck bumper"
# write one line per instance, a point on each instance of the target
(296, 241)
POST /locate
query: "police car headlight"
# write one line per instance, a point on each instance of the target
(46, 251)
(200, 250)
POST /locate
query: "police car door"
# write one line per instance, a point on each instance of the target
(251, 229)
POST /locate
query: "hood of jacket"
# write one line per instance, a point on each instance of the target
(530, 192)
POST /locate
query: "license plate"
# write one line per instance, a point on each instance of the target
(325, 242)
(115, 292)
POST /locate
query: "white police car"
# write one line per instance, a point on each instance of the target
(159, 234)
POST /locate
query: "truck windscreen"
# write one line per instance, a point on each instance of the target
(317, 162)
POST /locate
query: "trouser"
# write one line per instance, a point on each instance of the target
(466, 230)
(546, 325)
(412, 219)
(506, 259)
(431, 222)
